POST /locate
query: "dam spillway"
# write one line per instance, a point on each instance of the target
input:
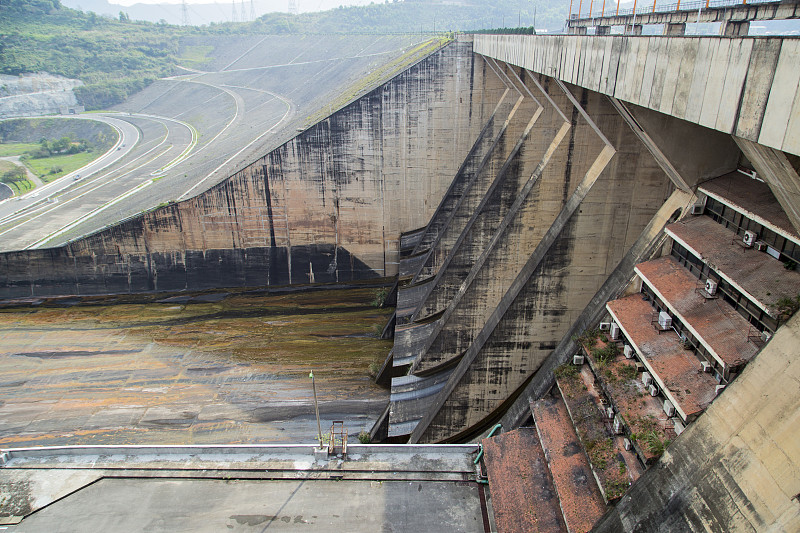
(512, 184)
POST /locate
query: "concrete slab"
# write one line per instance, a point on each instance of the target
(214, 488)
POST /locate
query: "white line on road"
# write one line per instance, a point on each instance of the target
(89, 215)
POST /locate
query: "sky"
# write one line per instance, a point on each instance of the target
(304, 5)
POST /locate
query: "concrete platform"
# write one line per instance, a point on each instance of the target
(751, 196)
(523, 497)
(581, 502)
(716, 325)
(218, 488)
(754, 273)
(677, 371)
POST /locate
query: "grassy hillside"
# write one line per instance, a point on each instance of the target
(113, 58)
(118, 57)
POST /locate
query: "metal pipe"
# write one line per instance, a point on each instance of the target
(618, 7)
(494, 430)
(570, 10)
(591, 5)
(654, 6)
(316, 406)
(603, 12)
(580, 6)
(478, 457)
(679, 6)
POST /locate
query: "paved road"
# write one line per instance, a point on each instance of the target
(186, 133)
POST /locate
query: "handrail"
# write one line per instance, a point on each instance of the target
(679, 6)
(494, 430)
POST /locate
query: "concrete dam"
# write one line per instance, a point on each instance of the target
(537, 198)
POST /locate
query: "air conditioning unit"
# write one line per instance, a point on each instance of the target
(705, 366)
(627, 444)
(697, 209)
(577, 359)
(678, 426)
(604, 326)
(614, 331)
(628, 351)
(749, 238)
(609, 412)
(618, 426)
(711, 287)
(766, 336)
(653, 390)
(719, 388)
(664, 320)
(647, 379)
(761, 246)
(669, 408)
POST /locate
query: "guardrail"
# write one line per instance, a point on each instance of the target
(647, 7)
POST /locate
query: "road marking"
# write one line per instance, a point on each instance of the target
(89, 215)
(44, 212)
(251, 143)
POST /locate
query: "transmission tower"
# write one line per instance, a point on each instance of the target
(293, 7)
(244, 13)
(184, 14)
(234, 13)
(252, 10)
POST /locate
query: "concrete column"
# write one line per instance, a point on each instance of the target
(603, 30)
(678, 28)
(634, 29)
(774, 167)
(577, 31)
(735, 28)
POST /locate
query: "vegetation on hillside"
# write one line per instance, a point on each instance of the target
(118, 57)
(421, 16)
(52, 147)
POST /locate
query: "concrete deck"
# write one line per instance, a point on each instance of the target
(752, 272)
(523, 497)
(716, 324)
(581, 501)
(218, 488)
(676, 370)
(614, 468)
(639, 411)
(753, 197)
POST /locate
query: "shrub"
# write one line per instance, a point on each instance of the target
(380, 297)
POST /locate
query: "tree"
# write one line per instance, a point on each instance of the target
(45, 144)
(15, 174)
(124, 17)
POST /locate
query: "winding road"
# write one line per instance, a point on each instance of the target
(186, 133)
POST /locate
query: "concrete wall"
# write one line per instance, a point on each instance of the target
(747, 87)
(737, 468)
(328, 206)
(517, 286)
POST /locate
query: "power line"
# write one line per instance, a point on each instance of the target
(184, 14)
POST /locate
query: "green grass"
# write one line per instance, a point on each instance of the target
(18, 187)
(194, 56)
(12, 149)
(21, 187)
(68, 163)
